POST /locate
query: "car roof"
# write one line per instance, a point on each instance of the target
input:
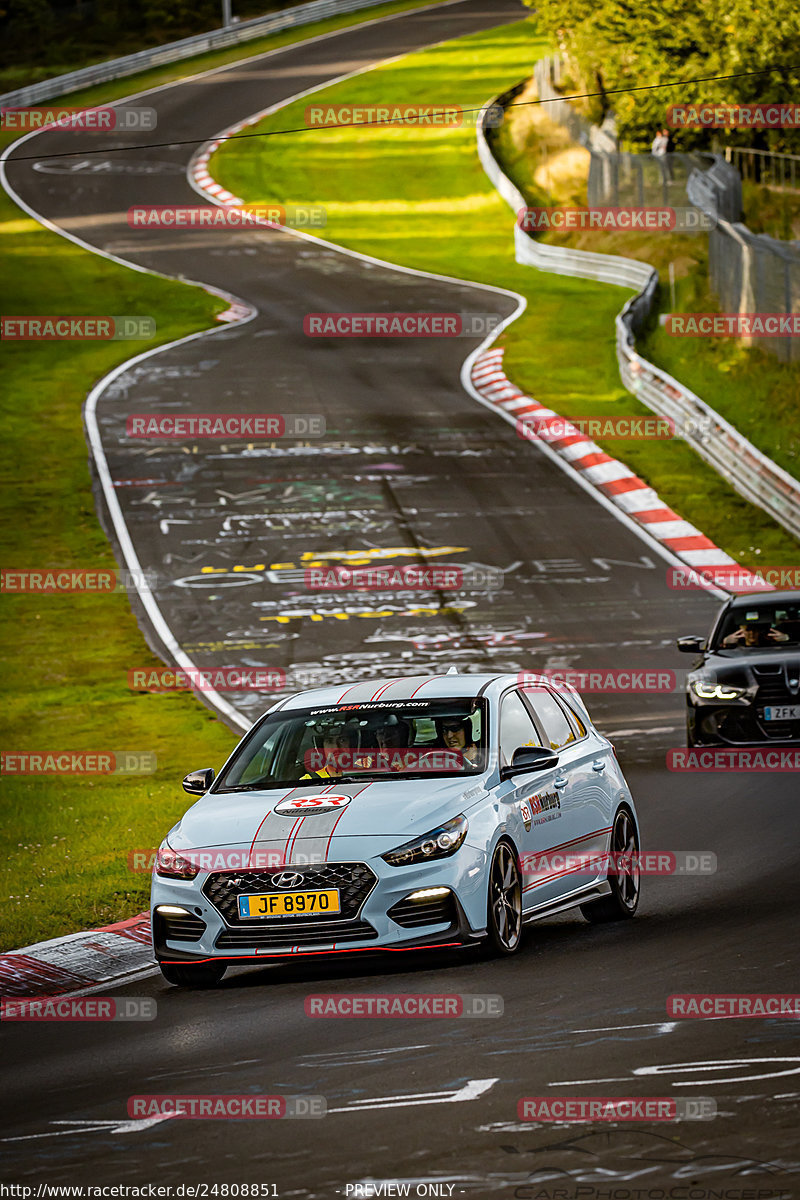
(748, 600)
(417, 687)
(408, 687)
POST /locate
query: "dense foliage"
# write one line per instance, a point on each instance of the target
(612, 44)
(54, 32)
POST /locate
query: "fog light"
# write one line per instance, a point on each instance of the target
(172, 910)
(426, 893)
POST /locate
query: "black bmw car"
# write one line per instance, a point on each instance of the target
(745, 687)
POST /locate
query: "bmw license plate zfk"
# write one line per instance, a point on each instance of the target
(782, 712)
(290, 904)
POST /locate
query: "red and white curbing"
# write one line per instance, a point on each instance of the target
(609, 476)
(205, 181)
(79, 961)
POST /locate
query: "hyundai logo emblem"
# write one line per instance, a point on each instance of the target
(287, 879)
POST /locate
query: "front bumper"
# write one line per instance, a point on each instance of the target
(210, 929)
(737, 724)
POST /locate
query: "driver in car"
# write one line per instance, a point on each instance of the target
(456, 735)
(752, 633)
(331, 739)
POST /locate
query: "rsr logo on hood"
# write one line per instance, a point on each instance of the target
(311, 804)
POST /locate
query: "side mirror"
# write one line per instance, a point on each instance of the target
(198, 782)
(529, 758)
(691, 645)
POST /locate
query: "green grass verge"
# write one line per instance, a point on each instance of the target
(64, 841)
(418, 196)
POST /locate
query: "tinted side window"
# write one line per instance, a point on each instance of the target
(552, 717)
(516, 728)
(576, 720)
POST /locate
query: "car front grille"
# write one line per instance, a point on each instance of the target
(434, 910)
(300, 934)
(774, 689)
(355, 881)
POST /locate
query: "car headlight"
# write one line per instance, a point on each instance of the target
(707, 690)
(439, 843)
(173, 865)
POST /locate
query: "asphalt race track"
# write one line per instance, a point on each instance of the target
(409, 461)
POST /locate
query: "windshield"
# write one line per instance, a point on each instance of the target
(761, 625)
(354, 742)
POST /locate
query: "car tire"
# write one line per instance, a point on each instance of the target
(193, 975)
(623, 900)
(504, 903)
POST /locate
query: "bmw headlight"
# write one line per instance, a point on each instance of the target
(708, 690)
(439, 843)
(173, 865)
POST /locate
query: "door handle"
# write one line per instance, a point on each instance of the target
(599, 765)
(561, 781)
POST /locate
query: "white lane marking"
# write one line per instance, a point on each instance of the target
(720, 1064)
(368, 1054)
(118, 1126)
(470, 1091)
(661, 1026)
(620, 733)
(703, 1067)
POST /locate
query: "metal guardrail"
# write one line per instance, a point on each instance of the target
(766, 167)
(751, 473)
(157, 56)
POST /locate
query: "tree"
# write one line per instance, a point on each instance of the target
(655, 47)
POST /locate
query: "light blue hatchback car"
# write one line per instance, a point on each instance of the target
(396, 814)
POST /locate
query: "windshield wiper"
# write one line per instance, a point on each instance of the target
(258, 785)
